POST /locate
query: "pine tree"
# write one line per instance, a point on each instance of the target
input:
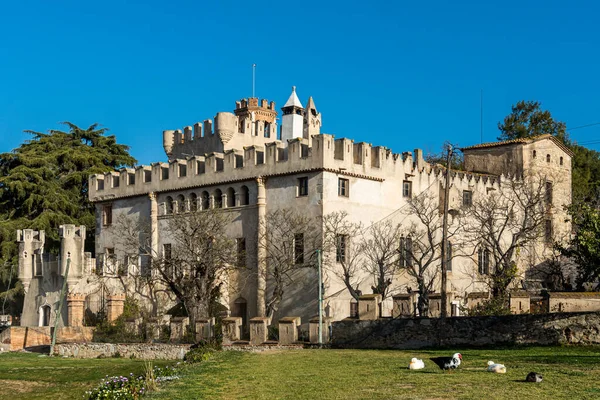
(44, 184)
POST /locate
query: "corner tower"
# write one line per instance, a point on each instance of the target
(292, 121)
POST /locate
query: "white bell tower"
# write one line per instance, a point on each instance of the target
(292, 121)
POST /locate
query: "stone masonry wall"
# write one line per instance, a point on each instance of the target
(415, 333)
(144, 351)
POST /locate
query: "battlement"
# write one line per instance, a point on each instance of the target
(253, 121)
(30, 235)
(342, 156)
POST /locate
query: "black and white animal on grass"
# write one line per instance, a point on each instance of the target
(448, 363)
(533, 377)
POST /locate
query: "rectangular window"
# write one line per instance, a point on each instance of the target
(109, 255)
(407, 189)
(467, 198)
(115, 181)
(241, 252)
(548, 193)
(449, 257)
(145, 264)
(302, 189)
(124, 266)
(147, 176)
(164, 173)
(340, 248)
(106, 215)
(299, 248)
(182, 170)
(343, 187)
(167, 251)
(167, 260)
(548, 231)
(353, 309)
(131, 179)
(405, 251)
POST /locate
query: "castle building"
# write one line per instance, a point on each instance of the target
(245, 166)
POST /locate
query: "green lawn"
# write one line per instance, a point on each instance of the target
(569, 373)
(31, 376)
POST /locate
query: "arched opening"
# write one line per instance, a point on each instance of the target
(180, 204)
(230, 197)
(205, 200)
(169, 205)
(240, 309)
(218, 198)
(45, 312)
(193, 202)
(547, 157)
(244, 196)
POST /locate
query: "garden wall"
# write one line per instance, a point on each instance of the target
(415, 333)
(23, 337)
(144, 351)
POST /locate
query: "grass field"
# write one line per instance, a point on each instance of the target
(31, 376)
(569, 373)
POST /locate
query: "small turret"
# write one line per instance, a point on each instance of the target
(312, 120)
(292, 122)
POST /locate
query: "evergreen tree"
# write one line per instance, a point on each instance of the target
(44, 183)
(527, 119)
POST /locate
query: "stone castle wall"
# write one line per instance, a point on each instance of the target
(416, 333)
(143, 351)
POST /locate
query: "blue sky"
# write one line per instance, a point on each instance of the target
(393, 73)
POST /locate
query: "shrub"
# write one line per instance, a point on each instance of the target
(202, 351)
(493, 306)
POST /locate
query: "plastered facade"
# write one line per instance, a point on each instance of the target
(225, 169)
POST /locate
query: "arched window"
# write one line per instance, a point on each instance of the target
(205, 200)
(561, 161)
(244, 196)
(180, 204)
(534, 154)
(193, 202)
(230, 197)
(218, 195)
(169, 205)
(547, 157)
(483, 261)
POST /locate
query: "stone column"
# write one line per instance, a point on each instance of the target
(288, 330)
(237, 199)
(75, 309)
(261, 262)
(258, 330)
(224, 200)
(231, 329)
(114, 306)
(368, 307)
(153, 222)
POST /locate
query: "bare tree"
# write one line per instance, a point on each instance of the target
(194, 261)
(420, 246)
(342, 249)
(380, 248)
(198, 259)
(502, 223)
(133, 270)
(289, 246)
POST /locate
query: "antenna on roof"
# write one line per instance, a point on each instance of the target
(481, 116)
(253, 78)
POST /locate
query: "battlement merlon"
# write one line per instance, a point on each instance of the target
(342, 156)
(252, 122)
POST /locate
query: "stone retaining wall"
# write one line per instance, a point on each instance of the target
(415, 333)
(157, 351)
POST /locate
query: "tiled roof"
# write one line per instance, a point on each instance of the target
(522, 141)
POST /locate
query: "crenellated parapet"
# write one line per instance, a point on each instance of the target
(252, 122)
(342, 156)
